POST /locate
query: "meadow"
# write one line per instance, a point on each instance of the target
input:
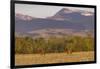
(32, 59)
(53, 50)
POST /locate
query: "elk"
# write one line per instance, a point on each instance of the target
(41, 51)
(68, 45)
(68, 51)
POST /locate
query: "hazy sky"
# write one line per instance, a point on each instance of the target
(42, 11)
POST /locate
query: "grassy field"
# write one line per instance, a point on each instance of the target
(29, 59)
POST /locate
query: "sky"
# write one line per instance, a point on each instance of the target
(42, 11)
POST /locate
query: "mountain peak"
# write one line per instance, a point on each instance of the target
(87, 13)
(71, 14)
(66, 10)
(23, 17)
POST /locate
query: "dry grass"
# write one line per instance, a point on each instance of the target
(29, 59)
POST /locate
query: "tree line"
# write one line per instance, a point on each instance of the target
(69, 44)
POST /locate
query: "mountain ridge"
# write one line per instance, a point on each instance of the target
(64, 19)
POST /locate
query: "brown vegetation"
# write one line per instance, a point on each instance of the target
(31, 59)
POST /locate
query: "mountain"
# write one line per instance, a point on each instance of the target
(73, 15)
(19, 16)
(65, 19)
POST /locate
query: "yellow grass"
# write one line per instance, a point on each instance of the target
(30, 59)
